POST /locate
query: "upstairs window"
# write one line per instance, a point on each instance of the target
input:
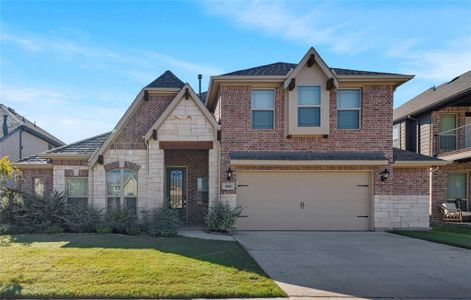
(348, 109)
(77, 190)
(396, 136)
(309, 106)
(263, 109)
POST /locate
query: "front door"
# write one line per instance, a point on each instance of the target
(177, 190)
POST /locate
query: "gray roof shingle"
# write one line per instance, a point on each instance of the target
(166, 80)
(403, 155)
(306, 155)
(433, 97)
(87, 146)
(33, 159)
(283, 68)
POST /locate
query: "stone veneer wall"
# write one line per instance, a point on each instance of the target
(408, 205)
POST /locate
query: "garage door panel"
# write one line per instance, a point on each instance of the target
(304, 200)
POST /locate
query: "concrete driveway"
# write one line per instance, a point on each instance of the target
(360, 264)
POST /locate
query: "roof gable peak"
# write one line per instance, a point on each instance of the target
(166, 80)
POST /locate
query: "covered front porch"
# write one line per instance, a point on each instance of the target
(186, 183)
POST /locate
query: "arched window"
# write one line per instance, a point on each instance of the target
(122, 189)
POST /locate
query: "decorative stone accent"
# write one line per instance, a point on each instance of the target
(111, 166)
(401, 211)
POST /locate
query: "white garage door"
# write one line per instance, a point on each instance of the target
(304, 200)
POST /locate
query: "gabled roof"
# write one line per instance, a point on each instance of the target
(283, 72)
(85, 147)
(434, 97)
(174, 103)
(166, 80)
(283, 68)
(20, 122)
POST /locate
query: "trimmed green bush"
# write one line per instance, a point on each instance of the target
(222, 216)
(164, 222)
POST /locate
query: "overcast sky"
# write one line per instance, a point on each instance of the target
(74, 67)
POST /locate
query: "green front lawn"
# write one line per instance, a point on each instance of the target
(119, 266)
(444, 234)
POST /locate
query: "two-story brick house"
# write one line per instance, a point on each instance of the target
(437, 122)
(298, 146)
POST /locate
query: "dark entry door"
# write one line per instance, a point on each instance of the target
(176, 190)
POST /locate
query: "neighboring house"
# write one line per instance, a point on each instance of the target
(437, 122)
(21, 138)
(298, 146)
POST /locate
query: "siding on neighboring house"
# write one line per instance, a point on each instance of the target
(11, 146)
(31, 145)
(425, 134)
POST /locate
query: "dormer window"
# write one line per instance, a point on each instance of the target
(263, 109)
(309, 106)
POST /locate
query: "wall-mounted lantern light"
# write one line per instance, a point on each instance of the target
(384, 175)
(229, 173)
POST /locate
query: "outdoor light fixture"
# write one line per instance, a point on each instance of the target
(229, 173)
(384, 175)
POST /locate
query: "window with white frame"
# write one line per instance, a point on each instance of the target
(38, 186)
(122, 189)
(77, 190)
(396, 136)
(309, 106)
(348, 108)
(263, 109)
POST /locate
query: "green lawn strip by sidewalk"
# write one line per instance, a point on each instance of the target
(444, 234)
(119, 266)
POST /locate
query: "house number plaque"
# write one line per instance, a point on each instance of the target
(228, 186)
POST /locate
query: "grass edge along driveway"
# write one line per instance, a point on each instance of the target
(119, 266)
(451, 235)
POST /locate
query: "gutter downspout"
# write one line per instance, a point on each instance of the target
(21, 144)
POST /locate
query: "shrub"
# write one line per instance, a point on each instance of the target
(121, 220)
(222, 216)
(164, 222)
(103, 229)
(11, 207)
(82, 218)
(44, 211)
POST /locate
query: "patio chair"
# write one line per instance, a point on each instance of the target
(450, 213)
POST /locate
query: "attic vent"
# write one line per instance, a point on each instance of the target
(433, 88)
(453, 79)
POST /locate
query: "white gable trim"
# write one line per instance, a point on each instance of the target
(117, 128)
(174, 104)
(327, 71)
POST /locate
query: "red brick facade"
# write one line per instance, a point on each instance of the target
(27, 176)
(196, 163)
(411, 181)
(375, 133)
(146, 114)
